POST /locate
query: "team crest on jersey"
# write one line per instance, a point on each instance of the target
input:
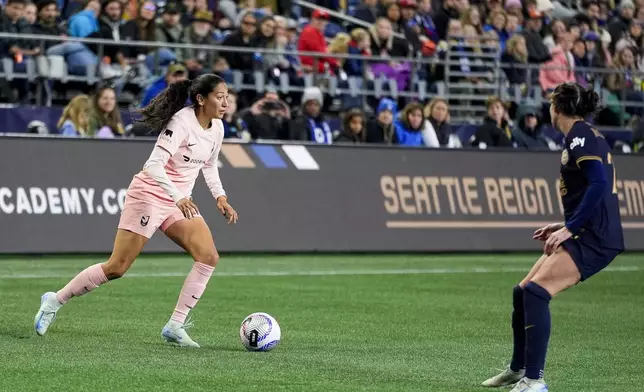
(564, 157)
(144, 220)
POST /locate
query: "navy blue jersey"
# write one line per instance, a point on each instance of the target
(604, 227)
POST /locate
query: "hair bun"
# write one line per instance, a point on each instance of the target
(589, 102)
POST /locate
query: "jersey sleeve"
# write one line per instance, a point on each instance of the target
(171, 137)
(582, 144)
(211, 173)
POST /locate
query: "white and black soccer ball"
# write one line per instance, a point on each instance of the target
(260, 332)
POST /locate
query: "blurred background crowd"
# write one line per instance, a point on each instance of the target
(465, 73)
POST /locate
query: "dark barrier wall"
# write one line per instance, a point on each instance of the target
(64, 195)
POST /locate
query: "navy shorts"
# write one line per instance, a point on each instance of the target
(588, 256)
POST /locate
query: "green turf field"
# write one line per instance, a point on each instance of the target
(349, 323)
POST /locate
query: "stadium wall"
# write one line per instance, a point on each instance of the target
(64, 195)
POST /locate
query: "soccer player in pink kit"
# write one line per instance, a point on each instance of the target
(159, 198)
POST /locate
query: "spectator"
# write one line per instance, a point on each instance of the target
(381, 128)
(109, 25)
(384, 44)
(593, 13)
(560, 68)
(619, 25)
(360, 45)
(399, 25)
(537, 52)
(622, 82)
(170, 30)
(74, 121)
(515, 61)
(265, 38)
(495, 130)
(411, 129)
(77, 56)
(443, 16)
(242, 39)
(513, 25)
(267, 118)
(105, 118)
(353, 128)
(188, 12)
(175, 73)
(472, 17)
(198, 61)
(423, 23)
(496, 23)
(30, 14)
(85, 22)
(234, 126)
(581, 61)
(312, 40)
(633, 38)
(367, 11)
(528, 134)
(557, 31)
(310, 124)
(437, 121)
(340, 45)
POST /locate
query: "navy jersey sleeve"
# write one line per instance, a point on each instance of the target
(582, 144)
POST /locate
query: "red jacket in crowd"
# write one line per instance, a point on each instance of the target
(312, 40)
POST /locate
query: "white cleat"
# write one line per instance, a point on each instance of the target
(46, 315)
(506, 378)
(529, 385)
(175, 332)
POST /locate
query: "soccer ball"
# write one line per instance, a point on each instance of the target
(260, 332)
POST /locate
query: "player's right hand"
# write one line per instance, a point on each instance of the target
(188, 207)
(543, 233)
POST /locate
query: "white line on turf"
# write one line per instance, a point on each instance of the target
(476, 270)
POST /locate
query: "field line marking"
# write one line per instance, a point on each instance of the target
(405, 271)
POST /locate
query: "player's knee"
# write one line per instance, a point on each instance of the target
(210, 257)
(116, 267)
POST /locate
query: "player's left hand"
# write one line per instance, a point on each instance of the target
(227, 210)
(556, 239)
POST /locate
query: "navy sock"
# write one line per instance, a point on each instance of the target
(518, 330)
(536, 301)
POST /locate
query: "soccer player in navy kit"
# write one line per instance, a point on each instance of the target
(586, 243)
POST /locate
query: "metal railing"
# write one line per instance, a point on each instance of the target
(420, 88)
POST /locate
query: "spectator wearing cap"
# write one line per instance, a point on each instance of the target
(514, 7)
(596, 53)
(310, 124)
(175, 73)
(561, 68)
(537, 51)
(241, 39)
(85, 22)
(619, 25)
(495, 130)
(200, 60)
(312, 40)
(380, 129)
(170, 30)
(528, 134)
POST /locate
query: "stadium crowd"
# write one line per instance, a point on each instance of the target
(563, 38)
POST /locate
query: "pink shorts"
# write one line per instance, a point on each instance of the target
(145, 218)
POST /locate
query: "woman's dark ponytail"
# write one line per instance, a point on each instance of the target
(159, 112)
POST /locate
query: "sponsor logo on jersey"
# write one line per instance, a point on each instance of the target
(578, 141)
(564, 157)
(194, 161)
